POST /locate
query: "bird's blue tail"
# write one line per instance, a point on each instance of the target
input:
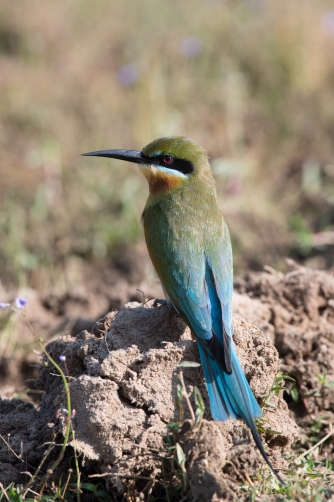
(231, 397)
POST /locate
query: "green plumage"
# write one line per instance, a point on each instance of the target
(181, 228)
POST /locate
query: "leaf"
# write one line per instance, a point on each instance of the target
(270, 405)
(174, 426)
(200, 407)
(188, 364)
(181, 458)
(322, 377)
(279, 378)
(179, 398)
(14, 495)
(294, 394)
(102, 494)
(275, 485)
(272, 431)
(89, 486)
(179, 391)
(198, 399)
(285, 377)
(329, 464)
(261, 421)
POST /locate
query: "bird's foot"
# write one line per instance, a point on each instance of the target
(158, 302)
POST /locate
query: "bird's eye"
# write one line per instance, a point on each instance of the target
(168, 159)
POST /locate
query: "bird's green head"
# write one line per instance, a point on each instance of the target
(166, 162)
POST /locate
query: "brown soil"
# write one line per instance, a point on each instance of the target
(90, 292)
(298, 310)
(124, 383)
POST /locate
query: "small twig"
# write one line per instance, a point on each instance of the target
(51, 442)
(13, 452)
(142, 292)
(66, 376)
(46, 477)
(3, 491)
(105, 339)
(32, 491)
(68, 422)
(104, 333)
(248, 479)
(23, 314)
(316, 445)
(68, 425)
(144, 301)
(76, 463)
(66, 484)
(238, 473)
(126, 476)
(11, 449)
(186, 397)
(149, 485)
(68, 403)
(45, 456)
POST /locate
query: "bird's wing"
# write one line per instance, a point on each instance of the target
(182, 273)
(221, 266)
(198, 282)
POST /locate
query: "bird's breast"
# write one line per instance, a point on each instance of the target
(181, 222)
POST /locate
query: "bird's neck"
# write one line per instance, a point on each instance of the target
(160, 182)
(198, 192)
(163, 185)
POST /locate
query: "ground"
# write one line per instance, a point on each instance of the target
(125, 382)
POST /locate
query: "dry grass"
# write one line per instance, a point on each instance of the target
(258, 95)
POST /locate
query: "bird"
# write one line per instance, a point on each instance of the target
(190, 247)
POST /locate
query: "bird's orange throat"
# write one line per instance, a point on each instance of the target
(160, 181)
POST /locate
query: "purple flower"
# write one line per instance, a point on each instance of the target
(327, 22)
(20, 303)
(3, 305)
(128, 75)
(191, 47)
(62, 358)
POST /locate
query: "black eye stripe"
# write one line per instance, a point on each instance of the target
(183, 166)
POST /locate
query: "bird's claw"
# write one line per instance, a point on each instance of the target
(158, 302)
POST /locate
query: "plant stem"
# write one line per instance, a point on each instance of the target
(186, 397)
(316, 445)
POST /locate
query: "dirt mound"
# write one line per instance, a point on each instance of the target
(123, 387)
(124, 382)
(89, 293)
(299, 310)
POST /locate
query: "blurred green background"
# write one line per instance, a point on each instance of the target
(251, 81)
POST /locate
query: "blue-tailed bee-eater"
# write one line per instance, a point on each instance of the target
(189, 244)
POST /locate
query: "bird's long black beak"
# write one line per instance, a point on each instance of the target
(129, 155)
